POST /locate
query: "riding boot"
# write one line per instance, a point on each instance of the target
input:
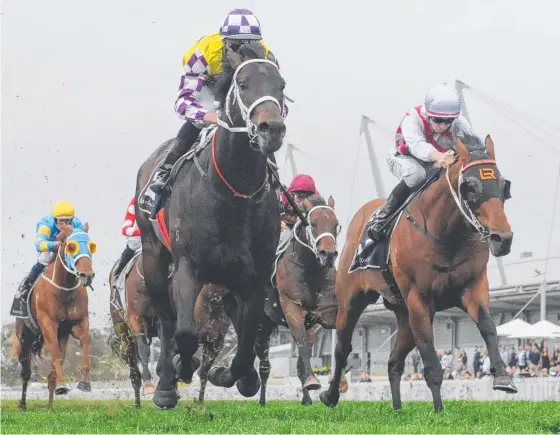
(126, 256)
(185, 139)
(19, 307)
(376, 230)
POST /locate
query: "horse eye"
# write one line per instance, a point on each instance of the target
(243, 86)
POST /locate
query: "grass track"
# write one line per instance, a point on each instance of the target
(114, 416)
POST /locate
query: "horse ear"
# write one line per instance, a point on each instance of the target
(489, 144)
(330, 202)
(233, 57)
(86, 227)
(462, 151)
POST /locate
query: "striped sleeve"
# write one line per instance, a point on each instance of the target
(192, 81)
(42, 242)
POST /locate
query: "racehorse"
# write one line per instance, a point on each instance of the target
(59, 307)
(134, 325)
(224, 223)
(439, 251)
(301, 294)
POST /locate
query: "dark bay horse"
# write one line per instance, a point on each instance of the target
(59, 307)
(439, 255)
(135, 326)
(224, 224)
(302, 293)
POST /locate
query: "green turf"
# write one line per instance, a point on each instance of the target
(114, 416)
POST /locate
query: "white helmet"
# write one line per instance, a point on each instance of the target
(442, 101)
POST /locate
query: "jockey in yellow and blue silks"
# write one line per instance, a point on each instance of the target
(46, 245)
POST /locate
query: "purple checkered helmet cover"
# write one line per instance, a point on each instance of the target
(241, 24)
(443, 101)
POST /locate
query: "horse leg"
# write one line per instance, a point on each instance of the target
(81, 333)
(49, 327)
(348, 315)
(210, 352)
(404, 343)
(26, 342)
(421, 315)
(134, 371)
(140, 331)
(241, 369)
(155, 268)
(295, 316)
(262, 345)
(185, 292)
(475, 301)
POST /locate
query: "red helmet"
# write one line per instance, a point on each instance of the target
(303, 183)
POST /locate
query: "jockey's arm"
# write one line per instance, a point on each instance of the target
(416, 140)
(196, 70)
(128, 228)
(43, 236)
(463, 130)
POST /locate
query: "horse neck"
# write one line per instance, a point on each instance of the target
(443, 217)
(242, 167)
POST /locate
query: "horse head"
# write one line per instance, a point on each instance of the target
(322, 231)
(250, 90)
(482, 192)
(78, 250)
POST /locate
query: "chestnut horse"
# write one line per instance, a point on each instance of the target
(135, 326)
(301, 294)
(59, 307)
(438, 258)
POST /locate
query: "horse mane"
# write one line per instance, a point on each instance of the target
(316, 199)
(222, 82)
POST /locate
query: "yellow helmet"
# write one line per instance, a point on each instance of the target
(63, 210)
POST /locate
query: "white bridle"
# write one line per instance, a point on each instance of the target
(233, 97)
(314, 241)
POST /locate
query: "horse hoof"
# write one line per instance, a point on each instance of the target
(84, 386)
(312, 383)
(148, 388)
(61, 390)
(216, 377)
(178, 365)
(165, 399)
(326, 400)
(306, 401)
(504, 383)
(249, 385)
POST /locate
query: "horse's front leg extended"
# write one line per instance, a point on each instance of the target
(81, 333)
(185, 292)
(475, 301)
(241, 369)
(49, 328)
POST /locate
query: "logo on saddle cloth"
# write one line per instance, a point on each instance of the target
(487, 174)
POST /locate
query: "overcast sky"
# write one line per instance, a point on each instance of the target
(88, 90)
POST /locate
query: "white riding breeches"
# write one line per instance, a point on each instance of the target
(45, 257)
(134, 243)
(412, 171)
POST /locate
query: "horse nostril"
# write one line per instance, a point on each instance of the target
(496, 238)
(263, 128)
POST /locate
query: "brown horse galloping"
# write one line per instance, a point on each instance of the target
(303, 295)
(59, 307)
(438, 258)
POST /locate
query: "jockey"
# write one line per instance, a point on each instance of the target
(133, 242)
(47, 246)
(423, 139)
(195, 102)
(301, 187)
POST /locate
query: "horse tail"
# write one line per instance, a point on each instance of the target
(14, 345)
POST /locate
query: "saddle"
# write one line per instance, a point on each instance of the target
(205, 137)
(375, 255)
